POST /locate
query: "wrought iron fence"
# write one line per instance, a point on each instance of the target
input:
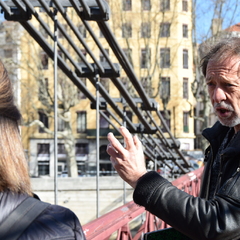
(131, 221)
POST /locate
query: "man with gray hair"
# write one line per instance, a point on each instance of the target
(215, 214)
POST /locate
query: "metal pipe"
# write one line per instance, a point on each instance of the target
(125, 125)
(97, 142)
(55, 109)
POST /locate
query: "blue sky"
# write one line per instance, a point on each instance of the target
(205, 12)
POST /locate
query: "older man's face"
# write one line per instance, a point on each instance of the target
(223, 80)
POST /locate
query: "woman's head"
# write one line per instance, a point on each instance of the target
(13, 165)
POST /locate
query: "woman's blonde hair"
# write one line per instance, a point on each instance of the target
(13, 164)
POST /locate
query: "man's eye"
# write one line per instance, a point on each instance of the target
(210, 84)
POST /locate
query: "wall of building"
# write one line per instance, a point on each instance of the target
(36, 159)
(176, 104)
(79, 194)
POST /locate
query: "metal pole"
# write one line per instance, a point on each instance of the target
(97, 142)
(124, 124)
(55, 110)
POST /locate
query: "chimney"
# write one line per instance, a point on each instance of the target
(216, 26)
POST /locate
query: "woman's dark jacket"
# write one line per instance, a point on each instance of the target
(199, 217)
(55, 222)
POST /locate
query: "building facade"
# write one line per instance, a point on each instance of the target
(156, 38)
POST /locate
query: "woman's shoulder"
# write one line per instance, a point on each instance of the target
(56, 222)
(8, 202)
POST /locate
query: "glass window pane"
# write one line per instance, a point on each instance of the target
(146, 5)
(165, 29)
(185, 58)
(81, 122)
(165, 57)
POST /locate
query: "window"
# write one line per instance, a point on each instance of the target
(80, 94)
(101, 34)
(43, 151)
(62, 167)
(8, 53)
(61, 148)
(60, 34)
(165, 88)
(43, 168)
(81, 151)
(102, 57)
(43, 89)
(44, 60)
(146, 30)
(185, 88)
(185, 30)
(105, 83)
(62, 156)
(41, 9)
(184, 5)
(165, 58)
(82, 30)
(126, 83)
(127, 5)
(146, 5)
(164, 5)
(43, 31)
(103, 122)
(84, 53)
(147, 85)
(145, 57)
(61, 124)
(165, 30)
(8, 37)
(185, 58)
(81, 122)
(128, 53)
(185, 122)
(103, 153)
(62, 55)
(167, 120)
(105, 163)
(128, 86)
(44, 119)
(43, 156)
(81, 148)
(129, 116)
(61, 151)
(127, 30)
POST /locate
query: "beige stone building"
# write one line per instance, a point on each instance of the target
(156, 38)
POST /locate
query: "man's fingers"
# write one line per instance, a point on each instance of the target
(110, 150)
(116, 149)
(115, 143)
(137, 142)
(127, 137)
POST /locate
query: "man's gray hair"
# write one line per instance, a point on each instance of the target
(225, 48)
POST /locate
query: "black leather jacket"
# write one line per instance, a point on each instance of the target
(199, 217)
(55, 222)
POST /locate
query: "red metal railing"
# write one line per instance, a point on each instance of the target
(121, 220)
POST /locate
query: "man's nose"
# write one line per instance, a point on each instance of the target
(219, 95)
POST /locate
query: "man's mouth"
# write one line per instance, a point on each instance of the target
(223, 112)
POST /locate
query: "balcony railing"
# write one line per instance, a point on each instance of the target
(131, 221)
